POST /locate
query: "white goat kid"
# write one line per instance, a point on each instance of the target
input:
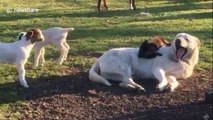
(55, 36)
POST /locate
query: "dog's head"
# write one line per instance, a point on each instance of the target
(185, 46)
(34, 35)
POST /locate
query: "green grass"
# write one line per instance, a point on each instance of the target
(97, 32)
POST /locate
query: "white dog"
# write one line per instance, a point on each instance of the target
(19, 51)
(177, 62)
(55, 36)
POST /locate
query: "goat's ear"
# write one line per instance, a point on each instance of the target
(20, 36)
(29, 34)
(164, 40)
(141, 49)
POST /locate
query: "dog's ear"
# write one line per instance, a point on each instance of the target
(29, 34)
(198, 41)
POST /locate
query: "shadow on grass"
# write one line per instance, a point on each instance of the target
(183, 16)
(70, 84)
(180, 7)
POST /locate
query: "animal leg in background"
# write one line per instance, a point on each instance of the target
(39, 53)
(99, 4)
(67, 50)
(132, 4)
(63, 51)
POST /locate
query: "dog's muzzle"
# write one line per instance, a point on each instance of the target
(180, 51)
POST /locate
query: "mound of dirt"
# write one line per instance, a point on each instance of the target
(75, 97)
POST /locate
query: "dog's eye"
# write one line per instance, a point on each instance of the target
(187, 39)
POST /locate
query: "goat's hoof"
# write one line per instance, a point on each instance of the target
(24, 85)
(34, 67)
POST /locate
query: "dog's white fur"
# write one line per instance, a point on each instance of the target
(55, 36)
(121, 63)
(18, 53)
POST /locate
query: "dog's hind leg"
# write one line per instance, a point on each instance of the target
(22, 72)
(131, 85)
(126, 85)
(128, 81)
(137, 86)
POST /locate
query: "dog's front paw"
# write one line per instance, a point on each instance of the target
(167, 88)
(160, 88)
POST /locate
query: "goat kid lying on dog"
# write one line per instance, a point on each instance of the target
(56, 36)
(19, 51)
(177, 62)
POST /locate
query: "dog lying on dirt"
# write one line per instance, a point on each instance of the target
(56, 36)
(177, 62)
(131, 5)
(148, 48)
(19, 51)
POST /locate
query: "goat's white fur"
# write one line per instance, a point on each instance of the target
(55, 36)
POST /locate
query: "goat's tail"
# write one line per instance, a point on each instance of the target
(68, 29)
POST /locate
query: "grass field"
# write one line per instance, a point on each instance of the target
(97, 32)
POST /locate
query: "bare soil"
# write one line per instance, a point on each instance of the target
(75, 97)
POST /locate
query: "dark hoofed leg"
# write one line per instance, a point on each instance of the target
(105, 4)
(99, 5)
(133, 5)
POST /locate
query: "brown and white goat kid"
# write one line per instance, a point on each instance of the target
(18, 52)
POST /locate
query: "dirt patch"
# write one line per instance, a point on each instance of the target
(75, 97)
